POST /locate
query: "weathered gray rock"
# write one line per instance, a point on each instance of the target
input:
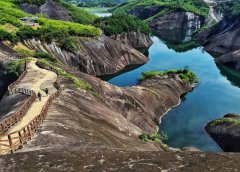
(176, 26)
(114, 119)
(81, 159)
(103, 56)
(226, 132)
(223, 39)
(52, 9)
(137, 40)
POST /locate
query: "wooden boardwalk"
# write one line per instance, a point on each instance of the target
(36, 80)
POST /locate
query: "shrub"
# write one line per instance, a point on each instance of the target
(119, 23)
(25, 53)
(44, 55)
(155, 137)
(69, 44)
(12, 67)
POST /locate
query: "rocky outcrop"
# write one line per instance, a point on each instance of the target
(137, 40)
(52, 9)
(10, 104)
(145, 13)
(226, 132)
(81, 159)
(174, 25)
(103, 56)
(223, 39)
(177, 26)
(113, 117)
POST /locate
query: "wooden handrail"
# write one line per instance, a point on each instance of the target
(13, 119)
(17, 139)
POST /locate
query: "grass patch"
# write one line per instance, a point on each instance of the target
(153, 92)
(225, 120)
(49, 30)
(186, 75)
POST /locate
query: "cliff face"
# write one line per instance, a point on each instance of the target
(226, 132)
(224, 39)
(101, 56)
(135, 39)
(50, 8)
(114, 119)
(175, 26)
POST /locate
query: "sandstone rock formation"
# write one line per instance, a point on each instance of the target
(50, 8)
(114, 119)
(226, 132)
(82, 159)
(137, 40)
(103, 56)
(223, 39)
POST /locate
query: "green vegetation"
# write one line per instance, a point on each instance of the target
(44, 55)
(195, 6)
(25, 53)
(155, 137)
(49, 30)
(153, 92)
(229, 9)
(69, 43)
(225, 120)
(13, 66)
(79, 15)
(77, 81)
(36, 2)
(119, 23)
(186, 75)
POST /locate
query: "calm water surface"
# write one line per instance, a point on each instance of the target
(218, 93)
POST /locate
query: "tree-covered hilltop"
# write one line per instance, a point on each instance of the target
(119, 23)
(195, 6)
(228, 9)
(46, 30)
(79, 15)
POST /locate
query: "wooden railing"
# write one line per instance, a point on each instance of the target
(8, 122)
(14, 141)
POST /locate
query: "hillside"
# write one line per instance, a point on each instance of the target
(195, 6)
(96, 3)
(56, 9)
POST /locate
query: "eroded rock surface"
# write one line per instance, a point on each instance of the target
(114, 119)
(223, 39)
(135, 39)
(80, 159)
(226, 132)
(103, 56)
(52, 9)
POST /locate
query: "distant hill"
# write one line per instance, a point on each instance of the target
(96, 3)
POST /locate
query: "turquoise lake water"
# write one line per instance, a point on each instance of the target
(218, 93)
